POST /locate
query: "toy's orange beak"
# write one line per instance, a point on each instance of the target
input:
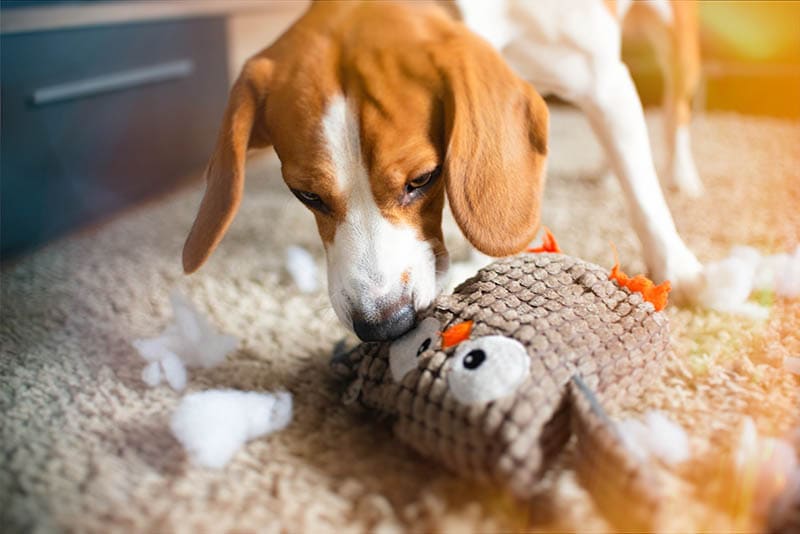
(456, 334)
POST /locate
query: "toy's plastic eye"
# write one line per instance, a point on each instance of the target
(403, 353)
(487, 368)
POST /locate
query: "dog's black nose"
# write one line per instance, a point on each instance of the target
(399, 321)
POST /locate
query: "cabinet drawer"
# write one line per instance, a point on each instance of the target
(95, 119)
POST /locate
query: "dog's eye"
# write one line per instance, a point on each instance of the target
(420, 181)
(312, 200)
(423, 180)
(487, 368)
(403, 353)
(308, 197)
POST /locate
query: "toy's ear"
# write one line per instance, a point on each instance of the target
(243, 127)
(496, 146)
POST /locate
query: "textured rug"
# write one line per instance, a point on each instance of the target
(85, 444)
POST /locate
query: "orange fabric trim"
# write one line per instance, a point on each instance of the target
(655, 294)
(456, 334)
(549, 243)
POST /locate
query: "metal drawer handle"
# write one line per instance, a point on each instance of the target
(116, 81)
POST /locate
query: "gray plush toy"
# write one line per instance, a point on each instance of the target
(496, 378)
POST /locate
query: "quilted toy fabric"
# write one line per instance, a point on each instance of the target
(553, 344)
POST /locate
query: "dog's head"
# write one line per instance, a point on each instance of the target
(376, 111)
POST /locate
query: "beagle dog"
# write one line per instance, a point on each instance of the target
(377, 110)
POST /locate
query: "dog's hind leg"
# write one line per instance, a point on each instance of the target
(674, 33)
(682, 78)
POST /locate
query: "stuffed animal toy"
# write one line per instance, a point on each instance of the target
(496, 377)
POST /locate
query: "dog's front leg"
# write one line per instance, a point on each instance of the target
(615, 112)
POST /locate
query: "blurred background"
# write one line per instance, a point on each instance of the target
(751, 58)
(108, 103)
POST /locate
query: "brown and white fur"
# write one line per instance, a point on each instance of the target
(377, 110)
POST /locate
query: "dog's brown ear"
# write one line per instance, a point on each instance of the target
(496, 146)
(242, 127)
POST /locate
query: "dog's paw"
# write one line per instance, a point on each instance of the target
(685, 274)
(686, 287)
(684, 179)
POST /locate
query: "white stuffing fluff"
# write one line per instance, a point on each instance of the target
(732, 283)
(190, 341)
(766, 461)
(769, 272)
(213, 425)
(745, 270)
(789, 280)
(779, 272)
(174, 372)
(151, 374)
(302, 269)
(656, 436)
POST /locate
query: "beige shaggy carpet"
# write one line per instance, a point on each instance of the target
(85, 446)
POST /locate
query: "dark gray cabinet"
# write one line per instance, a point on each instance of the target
(95, 119)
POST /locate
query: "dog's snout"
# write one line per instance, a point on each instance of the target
(393, 323)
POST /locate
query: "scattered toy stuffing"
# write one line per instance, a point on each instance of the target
(655, 436)
(745, 270)
(213, 425)
(788, 284)
(764, 465)
(189, 341)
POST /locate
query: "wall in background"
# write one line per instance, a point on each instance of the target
(106, 104)
(250, 32)
(751, 58)
(95, 119)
